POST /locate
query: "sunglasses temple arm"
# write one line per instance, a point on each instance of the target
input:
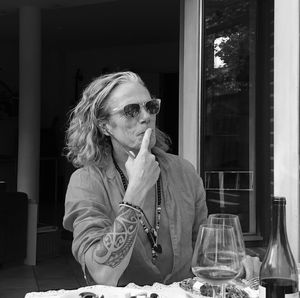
(130, 153)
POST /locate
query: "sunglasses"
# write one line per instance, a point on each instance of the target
(133, 110)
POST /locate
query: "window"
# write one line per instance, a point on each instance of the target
(236, 109)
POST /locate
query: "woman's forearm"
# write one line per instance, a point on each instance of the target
(109, 257)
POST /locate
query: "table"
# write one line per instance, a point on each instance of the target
(164, 291)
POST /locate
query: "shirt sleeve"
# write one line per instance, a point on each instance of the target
(86, 211)
(200, 200)
(200, 208)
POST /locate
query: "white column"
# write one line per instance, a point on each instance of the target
(189, 80)
(286, 113)
(29, 118)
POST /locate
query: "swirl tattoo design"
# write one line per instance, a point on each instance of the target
(115, 244)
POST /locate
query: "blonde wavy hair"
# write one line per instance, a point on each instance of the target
(85, 142)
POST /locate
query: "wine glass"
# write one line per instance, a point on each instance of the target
(215, 258)
(230, 220)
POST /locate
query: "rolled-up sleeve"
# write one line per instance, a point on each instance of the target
(86, 211)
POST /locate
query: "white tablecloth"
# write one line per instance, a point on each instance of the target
(163, 291)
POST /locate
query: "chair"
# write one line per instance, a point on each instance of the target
(13, 226)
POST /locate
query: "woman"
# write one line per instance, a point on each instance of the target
(134, 209)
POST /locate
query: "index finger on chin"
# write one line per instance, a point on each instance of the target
(146, 139)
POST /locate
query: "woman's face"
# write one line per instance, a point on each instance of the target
(129, 131)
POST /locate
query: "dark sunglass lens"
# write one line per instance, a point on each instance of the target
(153, 106)
(132, 110)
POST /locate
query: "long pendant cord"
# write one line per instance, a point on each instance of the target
(151, 232)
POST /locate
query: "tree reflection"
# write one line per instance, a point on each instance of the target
(227, 34)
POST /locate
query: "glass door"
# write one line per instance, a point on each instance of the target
(228, 108)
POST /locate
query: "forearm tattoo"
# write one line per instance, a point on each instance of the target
(115, 244)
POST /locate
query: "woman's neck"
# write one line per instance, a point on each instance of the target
(121, 152)
(120, 158)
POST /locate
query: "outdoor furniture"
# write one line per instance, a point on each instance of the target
(13, 226)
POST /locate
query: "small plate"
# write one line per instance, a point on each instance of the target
(233, 290)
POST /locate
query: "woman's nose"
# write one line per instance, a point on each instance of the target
(144, 115)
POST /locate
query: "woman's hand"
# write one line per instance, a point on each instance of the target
(143, 171)
(251, 267)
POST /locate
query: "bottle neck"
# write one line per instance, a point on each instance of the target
(278, 231)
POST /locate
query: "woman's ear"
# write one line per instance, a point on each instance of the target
(104, 129)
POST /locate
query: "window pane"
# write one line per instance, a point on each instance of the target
(228, 106)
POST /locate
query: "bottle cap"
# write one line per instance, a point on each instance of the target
(279, 200)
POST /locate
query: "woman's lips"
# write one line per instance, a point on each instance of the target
(141, 133)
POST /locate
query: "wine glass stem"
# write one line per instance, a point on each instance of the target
(223, 287)
(213, 292)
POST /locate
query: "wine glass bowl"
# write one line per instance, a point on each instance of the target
(215, 258)
(230, 220)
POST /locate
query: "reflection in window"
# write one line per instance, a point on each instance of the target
(228, 107)
(218, 42)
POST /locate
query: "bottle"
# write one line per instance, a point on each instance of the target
(278, 277)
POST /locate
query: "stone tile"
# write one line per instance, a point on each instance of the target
(22, 271)
(15, 293)
(17, 282)
(55, 268)
(49, 274)
(57, 284)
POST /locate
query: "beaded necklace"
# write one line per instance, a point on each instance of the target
(151, 232)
